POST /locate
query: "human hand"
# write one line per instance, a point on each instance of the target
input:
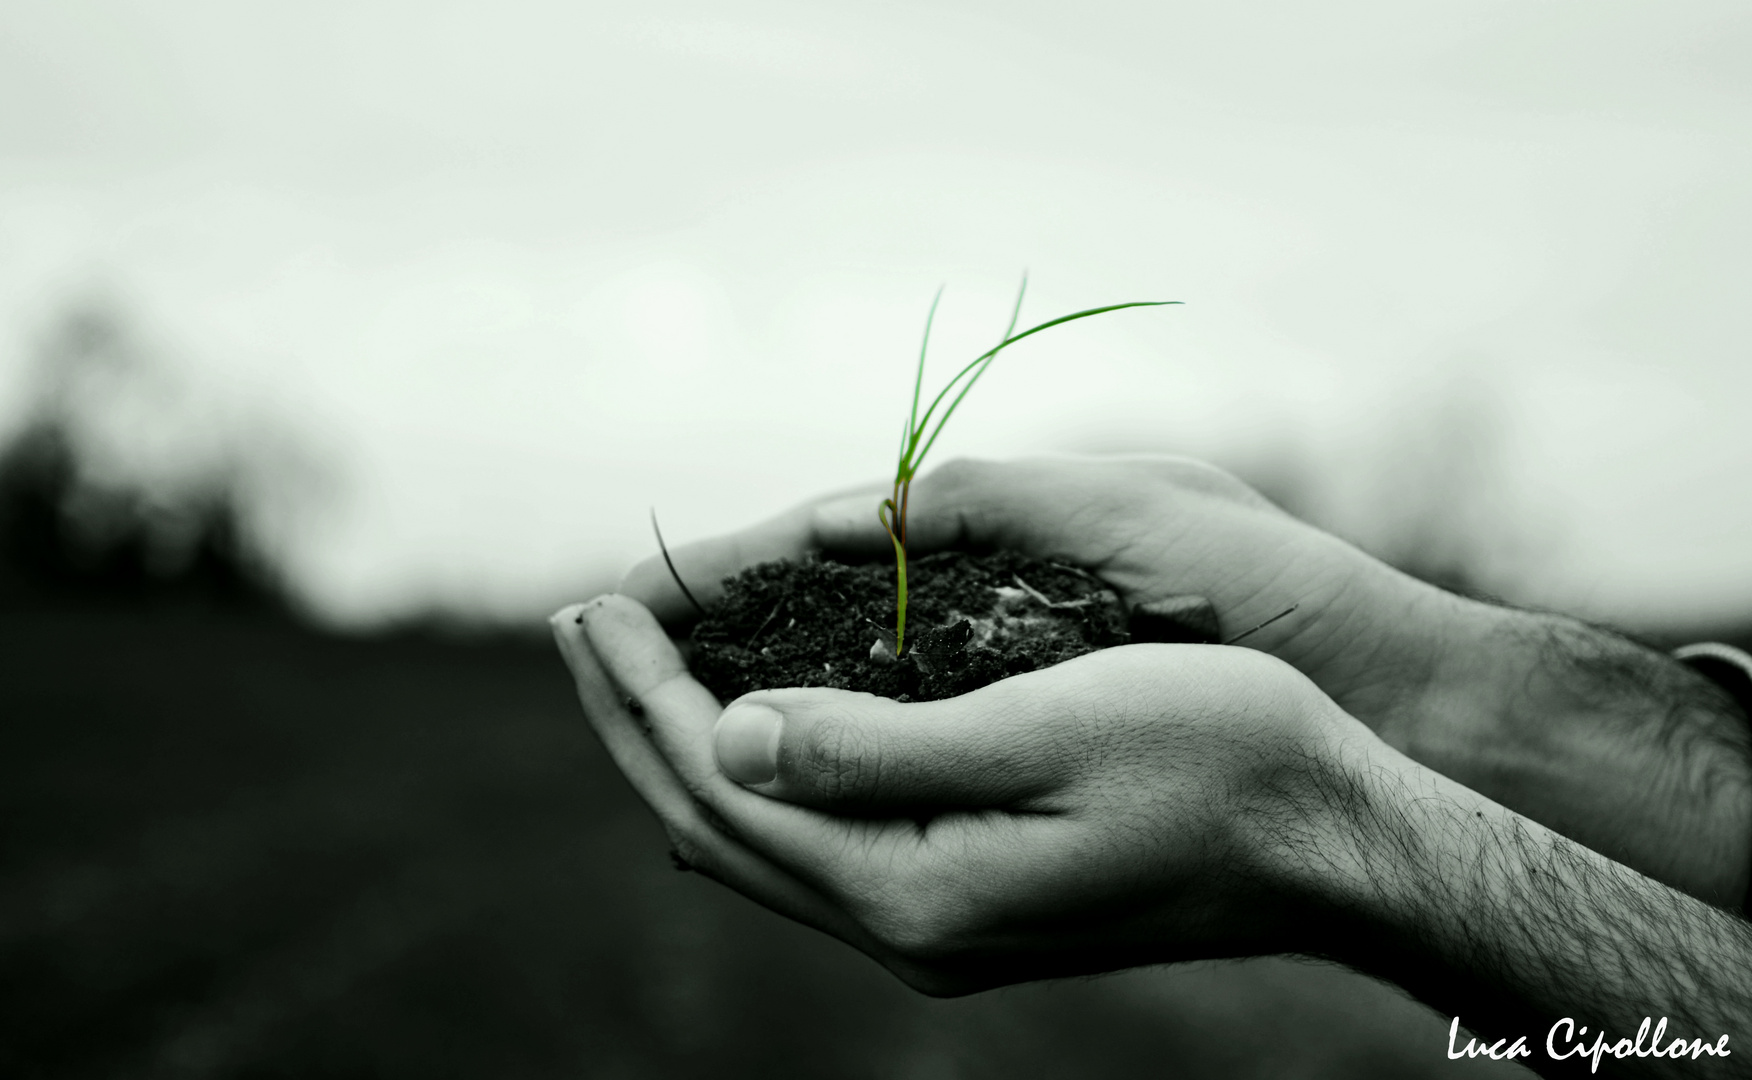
(1603, 740)
(1151, 527)
(1136, 805)
(1154, 803)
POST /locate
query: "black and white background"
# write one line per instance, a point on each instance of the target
(341, 341)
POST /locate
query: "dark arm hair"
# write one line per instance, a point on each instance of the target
(1496, 920)
(1608, 741)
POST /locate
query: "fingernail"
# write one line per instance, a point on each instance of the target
(747, 742)
(569, 613)
(572, 624)
(582, 613)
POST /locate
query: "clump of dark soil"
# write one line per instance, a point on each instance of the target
(971, 620)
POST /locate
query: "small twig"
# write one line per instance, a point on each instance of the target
(667, 561)
(1264, 624)
(764, 624)
(1040, 596)
(1079, 571)
(1031, 590)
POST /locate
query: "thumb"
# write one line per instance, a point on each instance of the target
(1021, 505)
(846, 751)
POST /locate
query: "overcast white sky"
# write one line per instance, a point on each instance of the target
(516, 272)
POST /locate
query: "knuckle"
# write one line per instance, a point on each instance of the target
(962, 473)
(1191, 474)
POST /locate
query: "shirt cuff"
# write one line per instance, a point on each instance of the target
(1725, 665)
(1731, 669)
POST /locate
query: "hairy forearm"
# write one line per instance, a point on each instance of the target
(1610, 743)
(1501, 922)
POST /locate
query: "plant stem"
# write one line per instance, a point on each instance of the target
(892, 512)
(888, 521)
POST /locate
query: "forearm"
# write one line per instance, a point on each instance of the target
(1495, 919)
(1608, 742)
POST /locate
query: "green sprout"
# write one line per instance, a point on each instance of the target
(892, 512)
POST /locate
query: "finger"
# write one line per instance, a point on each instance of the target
(615, 725)
(643, 662)
(704, 564)
(1000, 747)
(640, 658)
(1032, 506)
(698, 840)
(1089, 512)
(864, 867)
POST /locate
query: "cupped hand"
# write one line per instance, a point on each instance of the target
(1152, 527)
(1136, 805)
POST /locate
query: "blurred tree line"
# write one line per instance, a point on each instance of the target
(81, 515)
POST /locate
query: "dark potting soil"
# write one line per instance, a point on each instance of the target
(971, 620)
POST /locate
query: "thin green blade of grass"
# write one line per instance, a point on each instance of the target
(918, 459)
(1016, 309)
(1015, 314)
(912, 433)
(892, 512)
(919, 380)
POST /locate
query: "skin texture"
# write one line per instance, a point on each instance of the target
(1371, 783)
(1145, 804)
(1611, 744)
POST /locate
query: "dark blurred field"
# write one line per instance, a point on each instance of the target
(236, 847)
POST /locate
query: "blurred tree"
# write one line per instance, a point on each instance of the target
(94, 499)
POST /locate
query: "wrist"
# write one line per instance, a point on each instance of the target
(1384, 647)
(1336, 879)
(1423, 866)
(1595, 736)
(1489, 916)
(1469, 712)
(1368, 883)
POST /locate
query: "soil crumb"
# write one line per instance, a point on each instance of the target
(971, 620)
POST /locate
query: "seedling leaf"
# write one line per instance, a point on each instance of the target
(892, 512)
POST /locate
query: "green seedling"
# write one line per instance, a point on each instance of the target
(892, 511)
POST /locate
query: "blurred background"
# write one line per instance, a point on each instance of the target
(339, 343)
